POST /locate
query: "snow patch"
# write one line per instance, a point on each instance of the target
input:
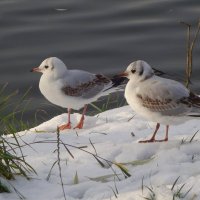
(115, 135)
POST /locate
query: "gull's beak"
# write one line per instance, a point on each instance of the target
(36, 69)
(123, 74)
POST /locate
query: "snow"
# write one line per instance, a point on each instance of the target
(155, 166)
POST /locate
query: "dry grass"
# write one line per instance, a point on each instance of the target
(190, 44)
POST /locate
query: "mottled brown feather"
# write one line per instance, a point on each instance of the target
(167, 104)
(191, 100)
(156, 104)
(85, 87)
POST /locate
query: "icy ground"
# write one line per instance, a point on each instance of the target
(115, 135)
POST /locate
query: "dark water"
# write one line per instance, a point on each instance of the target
(98, 36)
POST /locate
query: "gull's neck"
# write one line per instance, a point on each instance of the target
(147, 76)
(142, 78)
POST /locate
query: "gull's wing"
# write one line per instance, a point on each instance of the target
(165, 96)
(84, 84)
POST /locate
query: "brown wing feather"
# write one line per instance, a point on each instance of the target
(191, 100)
(79, 90)
(156, 104)
(168, 104)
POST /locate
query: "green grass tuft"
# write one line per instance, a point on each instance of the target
(3, 188)
(114, 100)
(12, 160)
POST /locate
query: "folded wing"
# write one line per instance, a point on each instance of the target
(167, 97)
(85, 85)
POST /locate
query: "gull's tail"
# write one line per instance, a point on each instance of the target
(118, 81)
(193, 115)
(117, 84)
(193, 101)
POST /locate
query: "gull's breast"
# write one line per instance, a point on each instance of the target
(51, 91)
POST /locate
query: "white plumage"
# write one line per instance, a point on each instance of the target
(72, 89)
(158, 99)
(53, 81)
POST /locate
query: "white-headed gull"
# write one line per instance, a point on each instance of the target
(72, 89)
(160, 100)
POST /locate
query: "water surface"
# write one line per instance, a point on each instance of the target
(98, 36)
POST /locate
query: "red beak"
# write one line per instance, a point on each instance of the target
(123, 74)
(36, 69)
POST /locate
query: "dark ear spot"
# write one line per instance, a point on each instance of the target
(141, 71)
(52, 67)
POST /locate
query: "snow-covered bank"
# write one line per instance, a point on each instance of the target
(115, 135)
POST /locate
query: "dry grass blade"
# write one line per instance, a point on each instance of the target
(131, 118)
(68, 150)
(152, 195)
(16, 140)
(181, 188)
(101, 163)
(187, 192)
(142, 184)
(196, 35)
(18, 193)
(151, 190)
(96, 107)
(194, 136)
(82, 147)
(103, 179)
(172, 188)
(116, 186)
(188, 60)
(123, 169)
(49, 174)
(113, 192)
(59, 165)
(138, 162)
(190, 47)
(109, 164)
(76, 179)
(93, 146)
(179, 194)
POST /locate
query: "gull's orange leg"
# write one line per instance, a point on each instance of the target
(153, 136)
(166, 135)
(81, 122)
(68, 125)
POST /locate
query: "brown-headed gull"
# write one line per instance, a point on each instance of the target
(72, 89)
(158, 99)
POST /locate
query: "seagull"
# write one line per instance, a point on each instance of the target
(158, 99)
(72, 89)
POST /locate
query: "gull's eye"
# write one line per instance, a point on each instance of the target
(46, 66)
(133, 71)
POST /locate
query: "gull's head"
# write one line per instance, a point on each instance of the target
(138, 70)
(52, 67)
